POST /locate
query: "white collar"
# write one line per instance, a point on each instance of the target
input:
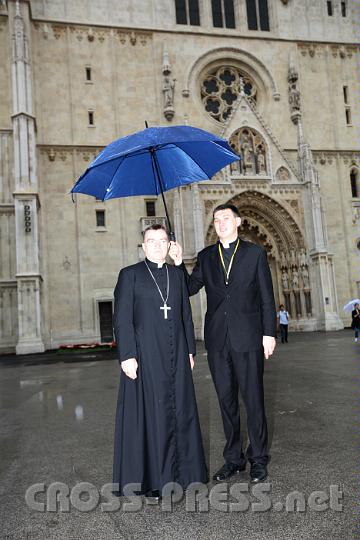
(159, 265)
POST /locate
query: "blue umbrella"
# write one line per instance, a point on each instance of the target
(153, 161)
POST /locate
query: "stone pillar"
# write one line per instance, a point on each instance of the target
(198, 213)
(321, 268)
(26, 188)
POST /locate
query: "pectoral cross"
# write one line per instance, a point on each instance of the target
(165, 308)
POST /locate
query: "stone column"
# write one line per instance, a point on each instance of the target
(321, 268)
(26, 188)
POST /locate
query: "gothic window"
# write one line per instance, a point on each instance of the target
(221, 88)
(354, 181)
(251, 147)
(257, 14)
(223, 11)
(187, 12)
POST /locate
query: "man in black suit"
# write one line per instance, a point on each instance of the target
(240, 328)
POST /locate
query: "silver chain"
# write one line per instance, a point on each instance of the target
(158, 288)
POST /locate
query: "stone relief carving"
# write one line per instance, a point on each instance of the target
(282, 174)
(250, 145)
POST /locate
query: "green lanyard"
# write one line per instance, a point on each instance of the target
(227, 272)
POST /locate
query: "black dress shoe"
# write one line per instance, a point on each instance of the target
(258, 473)
(228, 470)
(153, 497)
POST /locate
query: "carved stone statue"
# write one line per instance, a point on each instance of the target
(285, 280)
(294, 98)
(283, 260)
(168, 91)
(302, 257)
(295, 279)
(292, 257)
(246, 151)
(305, 277)
(261, 163)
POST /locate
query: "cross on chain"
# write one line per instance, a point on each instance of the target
(165, 309)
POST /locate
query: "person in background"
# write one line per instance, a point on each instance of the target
(355, 324)
(283, 318)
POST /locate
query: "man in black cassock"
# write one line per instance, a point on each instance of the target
(240, 327)
(157, 433)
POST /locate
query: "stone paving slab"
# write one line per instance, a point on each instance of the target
(57, 419)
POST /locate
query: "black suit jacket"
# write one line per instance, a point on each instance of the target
(245, 308)
(355, 319)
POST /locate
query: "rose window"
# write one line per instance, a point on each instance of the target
(221, 88)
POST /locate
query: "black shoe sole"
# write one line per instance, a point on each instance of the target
(236, 471)
(255, 481)
(152, 500)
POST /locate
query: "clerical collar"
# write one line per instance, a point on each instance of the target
(154, 265)
(231, 244)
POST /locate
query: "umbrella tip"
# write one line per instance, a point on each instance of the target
(146, 124)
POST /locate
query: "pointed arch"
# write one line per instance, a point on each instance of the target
(279, 229)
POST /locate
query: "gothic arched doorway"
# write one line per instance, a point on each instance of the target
(269, 224)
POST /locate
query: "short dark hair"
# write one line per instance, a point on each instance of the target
(231, 207)
(281, 305)
(155, 227)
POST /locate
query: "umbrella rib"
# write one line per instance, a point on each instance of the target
(154, 174)
(137, 153)
(109, 186)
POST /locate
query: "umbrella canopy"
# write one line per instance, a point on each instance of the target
(350, 305)
(153, 161)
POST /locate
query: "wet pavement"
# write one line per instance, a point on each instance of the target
(57, 418)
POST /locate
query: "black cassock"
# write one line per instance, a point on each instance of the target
(157, 432)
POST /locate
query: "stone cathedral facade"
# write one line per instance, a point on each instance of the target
(276, 78)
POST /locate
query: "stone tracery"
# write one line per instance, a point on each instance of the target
(221, 87)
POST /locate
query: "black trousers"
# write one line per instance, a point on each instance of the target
(284, 332)
(231, 371)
